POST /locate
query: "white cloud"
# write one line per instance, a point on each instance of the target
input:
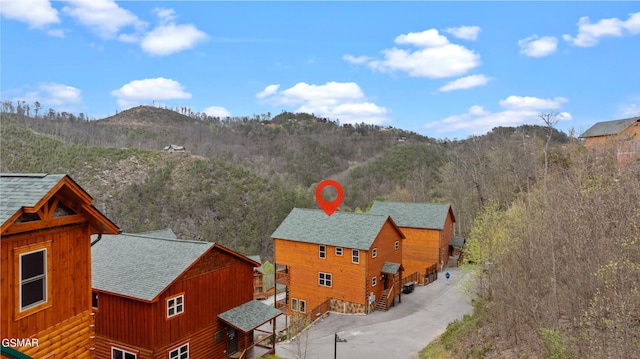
(534, 46)
(518, 111)
(36, 13)
(140, 91)
(217, 111)
(590, 33)
(171, 38)
(336, 100)
(165, 15)
(464, 32)
(104, 17)
(51, 94)
(465, 83)
(58, 94)
(268, 91)
(531, 103)
(435, 57)
(427, 38)
(356, 59)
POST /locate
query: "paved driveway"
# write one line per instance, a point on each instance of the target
(399, 333)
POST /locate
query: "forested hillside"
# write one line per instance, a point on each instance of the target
(553, 236)
(141, 190)
(234, 162)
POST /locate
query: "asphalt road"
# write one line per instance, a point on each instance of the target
(399, 333)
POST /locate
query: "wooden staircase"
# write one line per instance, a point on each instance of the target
(382, 304)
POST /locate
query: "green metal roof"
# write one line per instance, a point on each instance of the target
(19, 190)
(607, 128)
(390, 267)
(249, 316)
(12, 353)
(342, 229)
(414, 215)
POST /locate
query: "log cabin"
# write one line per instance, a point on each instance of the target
(351, 261)
(47, 221)
(428, 228)
(259, 291)
(162, 297)
(621, 136)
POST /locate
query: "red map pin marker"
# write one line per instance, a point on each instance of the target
(329, 207)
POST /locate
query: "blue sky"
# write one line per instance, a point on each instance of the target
(442, 69)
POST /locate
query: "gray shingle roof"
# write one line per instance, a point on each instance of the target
(390, 267)
(249, 316)
(163, 233)
(255, 258)
(413, 215)
(457, 241)
(607, 128)
(19, 190)
(342, 229)
(141, 267)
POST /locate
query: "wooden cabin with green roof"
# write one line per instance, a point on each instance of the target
(353, 261)
(156, 296)
(45, 258)
(428, 228)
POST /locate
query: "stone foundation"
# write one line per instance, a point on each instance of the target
(342, 306)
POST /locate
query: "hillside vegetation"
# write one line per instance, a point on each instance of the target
(557, 274)
(553, 237)
(141, 190)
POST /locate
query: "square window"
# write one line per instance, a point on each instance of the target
(324, 279)
(322, 251)
(175, 306)
(294, 304)
(180, 353)
(355, 256)
(374, 281)
(397, 245)
(374, 252)
(303, 306)
(339, 251)
(117, 353)
(33, 278)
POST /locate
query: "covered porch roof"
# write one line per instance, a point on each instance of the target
(391, 268)
(249, 316)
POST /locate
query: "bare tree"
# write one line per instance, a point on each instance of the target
(550, 120)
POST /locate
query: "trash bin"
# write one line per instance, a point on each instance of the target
(408, 287)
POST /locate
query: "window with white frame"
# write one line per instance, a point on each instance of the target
(324, 279)
(303, 306)
(374, 281)
(374, 252)
(180, 352)
(322, 251)
(355, 256)
(175, 305)
(294, 304)
(397, 245)
(117, 353)
(33, 278)
(339, 251)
